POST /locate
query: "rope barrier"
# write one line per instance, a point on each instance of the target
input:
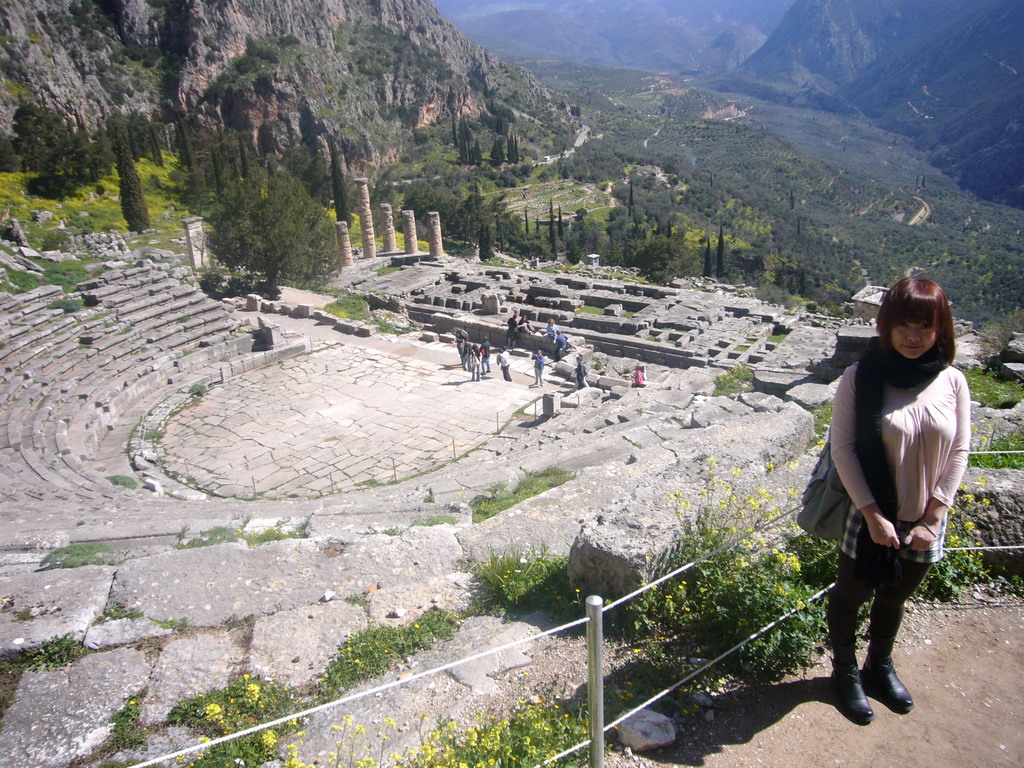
(353, 697)
(987, 453)
(983, 549)
(708, 665)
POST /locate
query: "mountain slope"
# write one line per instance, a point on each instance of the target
(655, 35)
(367, 71)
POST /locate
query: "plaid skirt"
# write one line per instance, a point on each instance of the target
(855, 521)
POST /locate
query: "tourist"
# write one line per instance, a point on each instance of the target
(900, 437)
(505, 363)
(485, 357)
(524, 326)
(581, 373)
(539, 361)
(561, 345)
(639, 376)
(551, 329)
(513, 330)
(474, 361)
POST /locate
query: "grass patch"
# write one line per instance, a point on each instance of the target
(175, 625)
(389, 269)
(991, 391)
(53, 654)
(373, 651)
(119, 611)
(822, 419)
(77, 555)
(736, 380)
(349, 307)
(124, 481)
(244, 702)
(523, 582)
(1013, 442)
(501, 498)
(222, 534)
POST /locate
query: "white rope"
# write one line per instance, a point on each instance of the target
(345, 699)
(982, 549)
(708, 665)
(986, 453)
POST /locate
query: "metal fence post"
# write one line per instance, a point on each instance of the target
(595, 679)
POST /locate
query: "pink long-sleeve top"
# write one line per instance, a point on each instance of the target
(926, 432)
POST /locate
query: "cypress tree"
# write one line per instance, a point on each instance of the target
(133, 203)
(708, 272)
(243, 156)
(720, 254)
(184, 146)
(551, 227)
(561, 225)
(154, 147)
(498, 152)
(485, 238)
(342, 207)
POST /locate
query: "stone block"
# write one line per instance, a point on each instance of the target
(252, 302)
(302, 310)
(552, 403)
(1012, 371)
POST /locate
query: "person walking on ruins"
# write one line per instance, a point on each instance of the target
(513, 330)
(539, 361)
(900, 437)
(581, 373)
(474, 361)
(485, 357)
(505, 363)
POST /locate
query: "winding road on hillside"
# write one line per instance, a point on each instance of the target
(922, 215)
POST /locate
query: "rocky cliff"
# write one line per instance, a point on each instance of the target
(364, 71)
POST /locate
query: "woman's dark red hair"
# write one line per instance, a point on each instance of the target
(918, 300)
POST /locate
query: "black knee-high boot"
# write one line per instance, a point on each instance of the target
(846, 678)
(880, 676)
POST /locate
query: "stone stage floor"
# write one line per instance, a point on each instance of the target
(347, 415)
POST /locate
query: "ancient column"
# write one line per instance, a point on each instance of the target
(390, 243)
(409, 229)
(436, 249)
(344, 244)
(366, 219)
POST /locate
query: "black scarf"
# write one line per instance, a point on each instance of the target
(878, 566)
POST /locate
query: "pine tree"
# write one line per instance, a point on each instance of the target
(342, 207)
(720, 254)
(133, 203)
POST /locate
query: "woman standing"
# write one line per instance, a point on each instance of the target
(539, 361)
(900, 437)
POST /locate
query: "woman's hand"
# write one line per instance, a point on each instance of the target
(882, 531)
(919, 539)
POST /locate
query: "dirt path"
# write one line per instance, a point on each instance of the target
(964, 665)
(922, 215)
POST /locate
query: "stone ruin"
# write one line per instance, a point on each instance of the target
(250, 414)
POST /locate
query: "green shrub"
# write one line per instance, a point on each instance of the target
(957, 570)
(437, 520)
(738, 379)
(991, 391)
(198, 390)
(67, 306)
(1012, 442)
(501, 498)
(373, 651)
(77, 555)
(244, 702)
